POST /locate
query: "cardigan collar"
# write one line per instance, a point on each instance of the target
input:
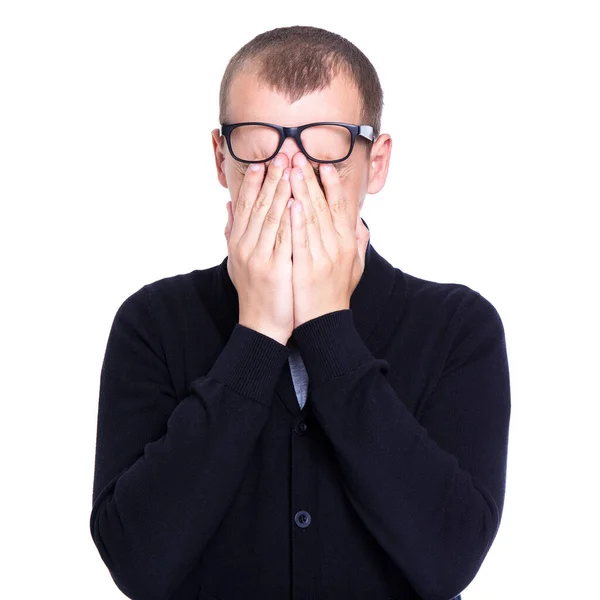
(367, 301)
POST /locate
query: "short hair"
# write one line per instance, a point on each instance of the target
(302, 59)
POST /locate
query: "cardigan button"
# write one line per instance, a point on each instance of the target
(302, 518)
(301, 428)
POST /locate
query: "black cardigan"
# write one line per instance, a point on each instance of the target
(210, 482)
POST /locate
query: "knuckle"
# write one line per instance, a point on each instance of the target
(243, 253)
(242, 203)
(320, 202)
(311, 219)
(253, 264)
(340, 206)
(270, 218)
(257, 267)
(261, 202)
(281, 236)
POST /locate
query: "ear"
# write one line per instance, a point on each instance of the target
(379, 162)
(218, 142)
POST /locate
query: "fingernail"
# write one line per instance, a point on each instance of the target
(254, 167)
(286, 174)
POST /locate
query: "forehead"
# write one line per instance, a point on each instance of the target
(252, 100)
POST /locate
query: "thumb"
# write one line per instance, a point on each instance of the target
(362, 236)
(229, 221)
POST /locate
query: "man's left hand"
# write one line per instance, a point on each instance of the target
(328, 247)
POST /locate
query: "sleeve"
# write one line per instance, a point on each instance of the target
(163, 483)
(430, 492)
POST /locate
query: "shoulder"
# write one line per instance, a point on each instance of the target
(173, 285)
(173, 295)
(455, 304)
(458, 320)
(181, 293)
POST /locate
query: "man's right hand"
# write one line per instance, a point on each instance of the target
(259, 244)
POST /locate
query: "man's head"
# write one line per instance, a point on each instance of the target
(292, 76)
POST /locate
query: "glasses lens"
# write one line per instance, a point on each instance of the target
(326, 142)
(254, 142)
(321, 142)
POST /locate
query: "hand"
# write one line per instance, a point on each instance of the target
(328, 247)
(260, 251)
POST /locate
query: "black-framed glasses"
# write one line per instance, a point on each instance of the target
(322, 142)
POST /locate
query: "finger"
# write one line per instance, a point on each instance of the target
(301, 250)
(267, 240)
(262, 212)
(309, 218)
(283, 241)
(337, 201)
(247, 193)
(318, 205)
(254, 200)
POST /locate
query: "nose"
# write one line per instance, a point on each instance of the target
(289, 148)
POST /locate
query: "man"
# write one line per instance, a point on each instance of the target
(303, 420)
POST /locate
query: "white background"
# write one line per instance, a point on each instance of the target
(108, 182)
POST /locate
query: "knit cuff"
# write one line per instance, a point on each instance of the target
(250, 364)
(330, 346)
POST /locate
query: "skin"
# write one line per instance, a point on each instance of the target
(360, 174)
